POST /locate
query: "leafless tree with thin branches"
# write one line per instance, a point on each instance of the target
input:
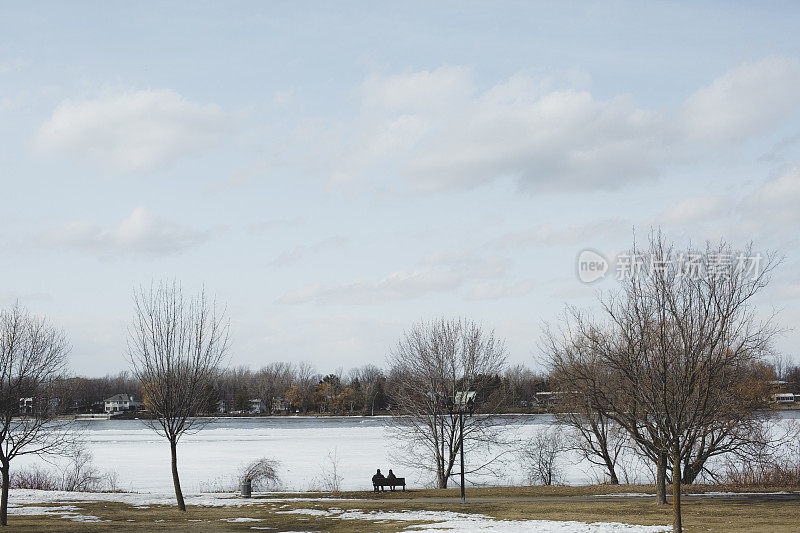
(431, 363)
(541, 455)
(579, 379)
(33, 357)
(680, 351)
(272, 381)
(175, 346)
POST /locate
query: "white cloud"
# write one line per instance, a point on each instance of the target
(777, 199)
(494, 291)
(411, 92)
(780, 191)
(560, 140)
(744, 102)
(132, 131)
(768, 212)
(400, 285)
(141, 232)
(437, 130)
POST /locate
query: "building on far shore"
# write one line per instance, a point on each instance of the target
(257, 406)
(280, 405)
(784, 397)
(783, 393)
(220, 407)
(27, 406)
(120, 403)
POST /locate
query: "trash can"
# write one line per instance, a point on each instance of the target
(247, 488)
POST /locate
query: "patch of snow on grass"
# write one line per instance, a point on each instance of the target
(67, 512)
(447, 521)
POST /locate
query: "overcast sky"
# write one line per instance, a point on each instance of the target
(336, 171)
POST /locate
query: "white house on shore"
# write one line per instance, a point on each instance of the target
(784, 397)
(120, 403)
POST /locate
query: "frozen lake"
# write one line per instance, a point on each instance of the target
(208, 459)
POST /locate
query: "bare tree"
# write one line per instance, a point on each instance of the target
(330, 480)
(432, 362)
(272, 381)
(580, 379)
(542, 456)
(175, 346)
(304, 379)
(597, 438)
(679, 347)
(33, 357)
(370, 380)
(521, 385)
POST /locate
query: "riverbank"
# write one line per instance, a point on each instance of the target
(588, 509)
(144, 415)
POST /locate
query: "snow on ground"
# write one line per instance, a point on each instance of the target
(447, 521)
(21, 503)
(20, 498)
(69, 512)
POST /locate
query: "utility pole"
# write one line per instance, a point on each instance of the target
(464, 402)
(461, 445)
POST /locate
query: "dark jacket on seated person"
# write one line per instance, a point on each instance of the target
(377, 478)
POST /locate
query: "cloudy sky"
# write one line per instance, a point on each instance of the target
(334, 172)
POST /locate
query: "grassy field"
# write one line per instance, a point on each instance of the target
(718, 514)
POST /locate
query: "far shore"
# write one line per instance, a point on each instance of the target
(143, 415)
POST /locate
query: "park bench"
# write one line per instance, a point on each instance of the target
(391, 483)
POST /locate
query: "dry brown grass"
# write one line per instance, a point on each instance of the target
(543, 503)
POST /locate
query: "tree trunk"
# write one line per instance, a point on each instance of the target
(677, 527)
(441, 477)
(691, 471)
(4, 500)
(613, 480)
(173, 445)
(612, 473)
(661, 479)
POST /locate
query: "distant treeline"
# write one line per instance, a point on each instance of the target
(281, 388)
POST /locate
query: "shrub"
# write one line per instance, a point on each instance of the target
(262, 473)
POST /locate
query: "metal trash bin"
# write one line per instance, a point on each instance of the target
(247, 488)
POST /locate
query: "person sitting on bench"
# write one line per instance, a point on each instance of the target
(391, 478)
(377, 481)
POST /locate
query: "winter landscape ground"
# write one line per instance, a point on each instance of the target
(590, 509)
(209, 460)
